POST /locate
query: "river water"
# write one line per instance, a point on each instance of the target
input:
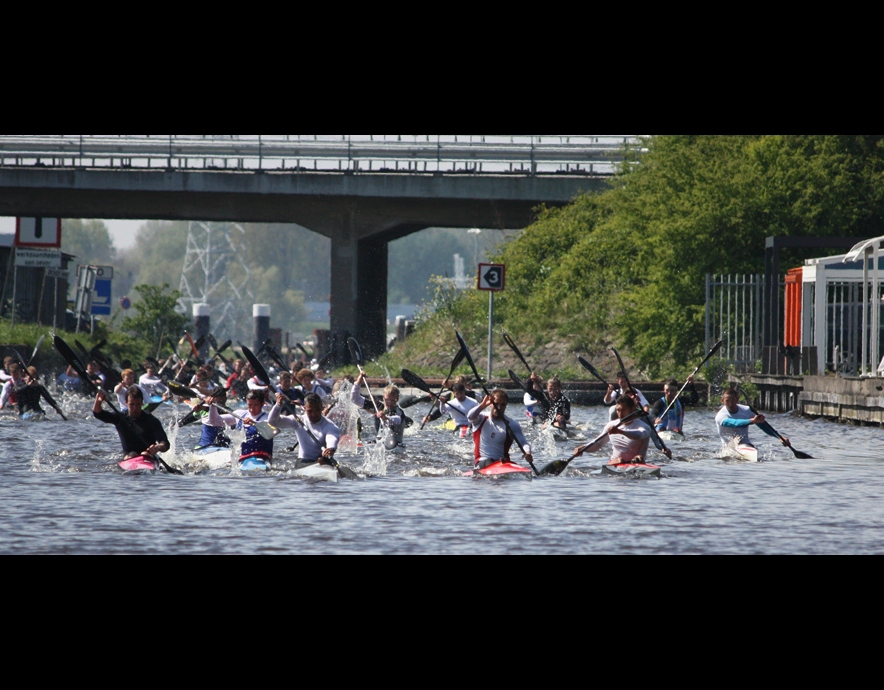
(62, 493)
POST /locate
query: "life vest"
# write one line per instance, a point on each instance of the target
(255, 444)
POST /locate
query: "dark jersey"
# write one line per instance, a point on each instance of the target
(136, 434)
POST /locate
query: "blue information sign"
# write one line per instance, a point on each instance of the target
(101, 297)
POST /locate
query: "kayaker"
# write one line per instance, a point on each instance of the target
(457, 406)
(13, 383)
(307, 379)
(630, 441)
(556, 412)
(494, 432)
(674, 420)
(140, 432)
(317, 435)
(389, 414)
(285, 385)
(254, 445)
(212, 427)
(614, 393)
(734, 421)
(122, 388)
(22, 391)
(4, 372)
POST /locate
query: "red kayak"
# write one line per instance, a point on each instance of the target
(138, 463)
(633, 469)
(499, 468)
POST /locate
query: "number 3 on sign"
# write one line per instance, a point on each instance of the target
(491, 277)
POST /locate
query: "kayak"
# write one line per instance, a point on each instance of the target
(317, 472)
(667, 435)
(215, 457)
(632, 469)
(742, 451)
(498, 469)
(140, 463)
(253, 462)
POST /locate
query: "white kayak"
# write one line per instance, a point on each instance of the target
(667, 435)
(742, 451)
(317, 472)
(214, 457)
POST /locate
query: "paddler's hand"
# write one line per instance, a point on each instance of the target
(578, 451)
(659, 420)
(667, 453)
(530, 458)
(328, 453)
(786, 441)
(757, 419)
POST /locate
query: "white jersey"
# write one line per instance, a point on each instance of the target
(459, 410)
(491, 437)
(734, 425)
(309, 448)
(627, 446)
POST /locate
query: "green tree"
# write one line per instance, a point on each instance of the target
(89, 241)
(156, 316)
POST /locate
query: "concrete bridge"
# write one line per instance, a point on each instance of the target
(361, 191)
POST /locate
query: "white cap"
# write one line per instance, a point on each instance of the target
(260, 310)
(202, 310)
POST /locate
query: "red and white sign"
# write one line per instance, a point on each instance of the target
(491, 277)
(38, 232)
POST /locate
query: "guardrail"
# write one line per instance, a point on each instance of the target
(406, 153)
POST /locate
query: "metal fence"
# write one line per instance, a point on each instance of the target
(846, 336)
(528, 154)
(734, 310)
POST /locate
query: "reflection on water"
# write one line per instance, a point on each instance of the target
(62, 492)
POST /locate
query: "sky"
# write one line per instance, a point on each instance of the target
(122, 232)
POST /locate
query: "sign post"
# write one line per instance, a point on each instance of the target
(491, 278)
(35, 232)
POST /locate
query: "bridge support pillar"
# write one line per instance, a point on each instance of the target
(358, 294)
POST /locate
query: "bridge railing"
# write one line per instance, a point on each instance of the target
(414, 153)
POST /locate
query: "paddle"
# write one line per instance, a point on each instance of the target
(469, 358)
(592, 370)
(306, 354)
(261, 372)
(798, 454)
(74, 362)
(556, 467)
(509, 341)
(194, 348)
(416, 381)
(43, 391)
(654, 435)
(276, 357)
(530, 390)
(36, 349)
(714, 349)
(265, 429)
(455, 363)
(356, 353)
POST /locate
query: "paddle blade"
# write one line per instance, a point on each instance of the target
(622, 368)
(509, 341)
(355, 351)
(801, 456)
(415, 381)
(554, 468)
(256, 365)
(390, 441)
(591, 369)
(36, 348)
(466, 352)
(181, 390)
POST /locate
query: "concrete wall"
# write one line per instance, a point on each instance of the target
(858, 400)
